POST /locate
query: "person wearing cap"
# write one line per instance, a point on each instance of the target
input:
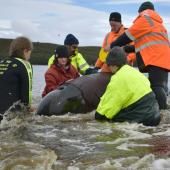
(60, 71)
(152, 49)
(128, 96)
(77, 60)
(117, 29)
(16, 77)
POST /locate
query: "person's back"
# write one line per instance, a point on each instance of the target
(16, 75)
(128, 96)
(10, 70)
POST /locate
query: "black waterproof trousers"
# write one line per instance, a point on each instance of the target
(158, 78)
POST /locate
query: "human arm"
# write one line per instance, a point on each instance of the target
(99, 63)
(52, 82)
(121, 41)
(129, 48)
(82, 64)
(139, 28)
(111, 102)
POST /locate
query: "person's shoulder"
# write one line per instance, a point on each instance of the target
(5, 64)
(52, 72)
(9, 61)
(79, 55)
(5, 60)
(52, 69)
(108, 34)
(22, 64)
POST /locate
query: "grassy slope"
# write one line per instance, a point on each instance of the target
(42, 51)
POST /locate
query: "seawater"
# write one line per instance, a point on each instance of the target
(78, 142)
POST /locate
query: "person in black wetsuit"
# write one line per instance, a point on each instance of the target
(16, 75)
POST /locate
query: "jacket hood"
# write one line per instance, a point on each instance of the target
(153, 14)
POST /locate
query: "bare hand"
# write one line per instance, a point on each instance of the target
(107, 48)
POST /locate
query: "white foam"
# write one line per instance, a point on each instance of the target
(161, 164)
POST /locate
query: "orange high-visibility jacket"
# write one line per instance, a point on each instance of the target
(109, 38)
(150, 39)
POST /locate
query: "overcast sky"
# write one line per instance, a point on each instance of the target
(51, 20)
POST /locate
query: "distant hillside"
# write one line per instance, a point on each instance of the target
(42, 51)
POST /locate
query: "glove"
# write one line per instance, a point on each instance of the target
(129, 48)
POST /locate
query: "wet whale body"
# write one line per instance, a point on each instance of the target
(81, 95)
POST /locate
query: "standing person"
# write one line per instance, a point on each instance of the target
(16, 75)
(77, 60)
(60, 71)
(117, 29)
(128, 96)
(152, 49)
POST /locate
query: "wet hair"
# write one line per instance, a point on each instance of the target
(18, 45)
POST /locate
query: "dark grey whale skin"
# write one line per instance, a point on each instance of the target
(80, 95)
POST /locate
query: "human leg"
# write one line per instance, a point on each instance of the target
(158, 78)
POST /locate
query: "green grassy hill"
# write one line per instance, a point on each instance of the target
(42, 52)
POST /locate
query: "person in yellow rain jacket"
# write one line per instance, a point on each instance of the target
(152, 48)
(117, 29)
(77, 59)
(128, 96)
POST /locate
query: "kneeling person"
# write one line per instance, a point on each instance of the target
(128, 96)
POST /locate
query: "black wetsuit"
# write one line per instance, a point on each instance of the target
(14, 83)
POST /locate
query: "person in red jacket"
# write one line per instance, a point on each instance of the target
(60, 71)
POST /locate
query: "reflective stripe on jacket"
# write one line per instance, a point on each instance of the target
(77, 61)
(126, 87)
(151, 39)
(110, 37)
(30, 76)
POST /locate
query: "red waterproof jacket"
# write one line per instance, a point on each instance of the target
(57, 75)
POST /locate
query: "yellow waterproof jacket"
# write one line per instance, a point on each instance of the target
(126, 87)
(77, 61)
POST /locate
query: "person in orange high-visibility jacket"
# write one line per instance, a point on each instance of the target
(152, 49)
(116, 30)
